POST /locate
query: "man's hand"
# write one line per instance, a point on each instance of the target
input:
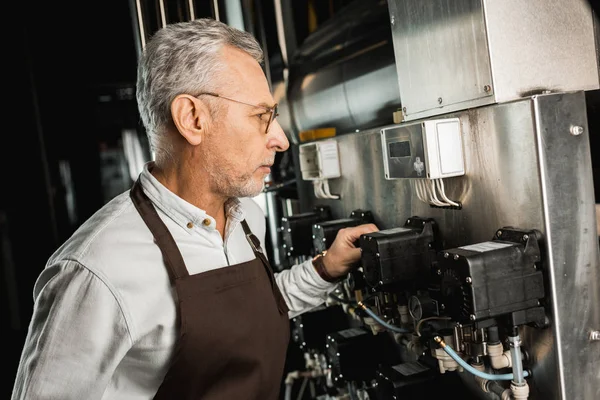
(342, 255)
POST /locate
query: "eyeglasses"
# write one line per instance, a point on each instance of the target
(271, 110)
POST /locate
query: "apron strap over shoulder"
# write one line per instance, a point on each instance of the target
(171, 254)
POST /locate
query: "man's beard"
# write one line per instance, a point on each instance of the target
(230, 186)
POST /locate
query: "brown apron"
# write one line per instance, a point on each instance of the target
(233, 323)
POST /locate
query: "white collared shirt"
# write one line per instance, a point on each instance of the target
(104, 318)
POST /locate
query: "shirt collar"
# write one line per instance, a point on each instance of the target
(179, 210)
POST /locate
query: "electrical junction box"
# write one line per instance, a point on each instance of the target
(319, 160)
(430, 149)
(457, 55)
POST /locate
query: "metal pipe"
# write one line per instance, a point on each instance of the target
(286, 38)
(234, 14)
(192, 10)
(216, 10)
(139, 33)
(517, 361)
(163, 16)
(273, 226)
(263, 42)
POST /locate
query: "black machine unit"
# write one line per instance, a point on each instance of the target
(310, 328)
(405, 380)
(491, 279)
(355, 354)
(324, 233)
(418, 380)
(400, 255)
(297, 231)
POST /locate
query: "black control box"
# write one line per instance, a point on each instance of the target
(355, 354)
(297, 231)
(324, 233)
(310, 328)
(400, 255)
(490, 279)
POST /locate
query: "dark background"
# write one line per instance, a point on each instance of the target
(69, 78)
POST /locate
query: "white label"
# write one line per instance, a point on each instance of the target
(410, 368)
(348, 333)
(394, 230)
(485, 246)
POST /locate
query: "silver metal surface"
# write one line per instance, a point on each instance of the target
(597, 37)
(139, 31)
(328, 98)
(192, 9)
(234, 14)
(480, 52)
(428, 37)
(572, 244)
(162, 13)
(343, 76)
(215, 6)
(286, 33)
(273, 217)
(525, 169)
(362, 184)
(540, 44)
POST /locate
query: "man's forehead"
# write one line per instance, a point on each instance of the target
(244, 75)
(238, 61)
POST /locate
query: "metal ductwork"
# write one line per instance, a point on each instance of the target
(344, 74)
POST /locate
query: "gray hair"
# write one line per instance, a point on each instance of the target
(181, 58)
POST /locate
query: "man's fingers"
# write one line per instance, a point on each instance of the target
(354, 233)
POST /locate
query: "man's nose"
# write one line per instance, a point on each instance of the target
(278, 140)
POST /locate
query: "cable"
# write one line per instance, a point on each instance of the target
(435, 200)
(465, 365)
(346, 301)
(440, 186)
(302, 388)
(277, 186)
(318, 189)
(288, 391)
(327, 191)
(376, 317)
(382, 322)
(418, 191)
(424, 191)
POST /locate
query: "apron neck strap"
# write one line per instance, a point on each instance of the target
(171, 254)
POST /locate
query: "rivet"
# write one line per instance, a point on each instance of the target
(576, 130)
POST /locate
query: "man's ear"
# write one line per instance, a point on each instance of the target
(190, 116)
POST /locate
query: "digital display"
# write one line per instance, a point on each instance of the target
(399, 149)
